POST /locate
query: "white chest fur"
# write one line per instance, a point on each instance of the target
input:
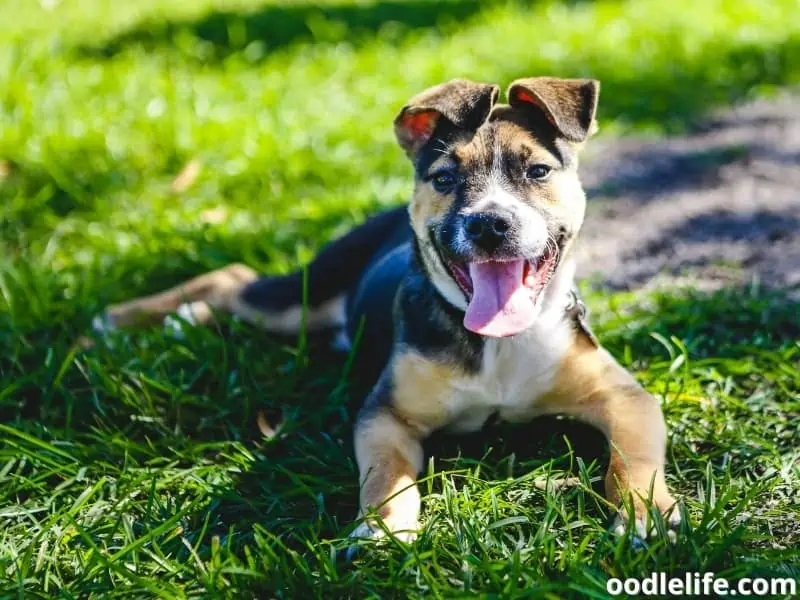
(514, 373)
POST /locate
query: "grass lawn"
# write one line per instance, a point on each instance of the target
(136, 470)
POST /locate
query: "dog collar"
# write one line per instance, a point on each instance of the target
(576, 312)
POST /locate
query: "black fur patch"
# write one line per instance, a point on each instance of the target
(431, 325)
(338, 267)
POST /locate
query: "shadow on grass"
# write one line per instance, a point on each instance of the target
(722, 241)
(650, 172)
(270, 28)
(759, 227)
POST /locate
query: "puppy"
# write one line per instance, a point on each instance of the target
(466, 297)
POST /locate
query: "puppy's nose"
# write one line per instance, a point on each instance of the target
(487, 230)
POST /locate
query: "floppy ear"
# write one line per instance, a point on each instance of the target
(463, 103)
(569, 104)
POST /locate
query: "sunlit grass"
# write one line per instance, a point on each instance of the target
(137, 470)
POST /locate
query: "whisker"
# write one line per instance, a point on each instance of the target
(444, 147)
(552, 246)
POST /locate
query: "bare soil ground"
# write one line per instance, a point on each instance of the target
(719, 206)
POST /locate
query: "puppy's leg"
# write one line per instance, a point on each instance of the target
(280, 304)
(592, 387)
(408, 403)
(216, 289)
(389, 456)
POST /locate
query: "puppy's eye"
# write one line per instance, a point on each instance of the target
(538, 172)
(443, 181)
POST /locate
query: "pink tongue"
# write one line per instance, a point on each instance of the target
(500, 305)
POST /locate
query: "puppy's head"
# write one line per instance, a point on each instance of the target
(497, 200)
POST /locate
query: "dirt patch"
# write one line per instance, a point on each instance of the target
(716, 207)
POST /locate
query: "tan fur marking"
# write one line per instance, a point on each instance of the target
(592, 387)
(515, 139)
(389, 456)
(421, 390)
(567, 198)
(427, 205)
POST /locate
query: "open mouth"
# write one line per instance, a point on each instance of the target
(502, 295)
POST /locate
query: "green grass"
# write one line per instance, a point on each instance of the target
(137, 470)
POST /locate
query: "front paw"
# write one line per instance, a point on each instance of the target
(404, 531)
(642, 523)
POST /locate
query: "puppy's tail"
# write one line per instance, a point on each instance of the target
(277, 303)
